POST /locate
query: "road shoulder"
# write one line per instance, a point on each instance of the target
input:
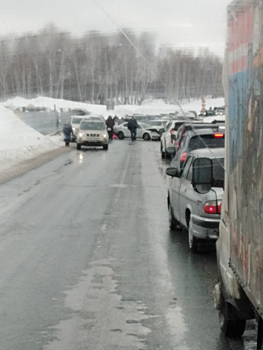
(25, 166)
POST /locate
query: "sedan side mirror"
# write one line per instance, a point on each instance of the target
(202, 175)
(173, 172)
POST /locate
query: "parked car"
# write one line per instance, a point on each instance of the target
(92, 133)
(211, 136)
(143, 132)
(193, 139)
(75, 121)
(197, 207)
(158, 125)
(168, 137)
(215, 119)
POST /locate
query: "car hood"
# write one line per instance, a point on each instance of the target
(153, 129)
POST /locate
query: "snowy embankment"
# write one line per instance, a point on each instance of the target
(18, 141)
(148, 106)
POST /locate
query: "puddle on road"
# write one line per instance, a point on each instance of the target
(100, 319)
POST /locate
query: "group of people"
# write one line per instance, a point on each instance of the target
(132, 126)
(111, 123)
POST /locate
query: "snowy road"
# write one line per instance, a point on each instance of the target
(88, 261)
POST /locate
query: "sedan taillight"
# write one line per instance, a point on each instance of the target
(213, 207)
(184, 156)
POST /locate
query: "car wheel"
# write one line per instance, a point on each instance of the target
(191, 238)
(172, 224)
(230, 328)
(146, 137)
(162, 152)
(78, 146)
(120, 135)
(106, 147)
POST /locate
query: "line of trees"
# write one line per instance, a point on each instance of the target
(97, 68)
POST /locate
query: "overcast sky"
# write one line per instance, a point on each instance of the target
(176, 23)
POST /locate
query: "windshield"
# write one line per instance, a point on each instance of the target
(206, 141)
(92, 126)
(76, 120)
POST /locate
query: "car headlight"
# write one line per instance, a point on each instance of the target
(105, 136)
(73, 129)
(80, 134)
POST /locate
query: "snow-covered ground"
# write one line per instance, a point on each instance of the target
(19, 142)
(148, 106)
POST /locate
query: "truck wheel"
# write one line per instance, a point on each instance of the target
(105, 147)
(230, 328)
(191, 238)
(78, 146)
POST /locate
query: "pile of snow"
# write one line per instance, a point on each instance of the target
(18, 141)
(148, 106)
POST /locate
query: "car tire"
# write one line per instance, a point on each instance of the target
(162, 152)
(191, 238)
(230, 328)
(106, 147)
(78, 146)
(120, 135)
(146, 137)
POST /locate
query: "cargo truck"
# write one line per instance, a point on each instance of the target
(239, 292)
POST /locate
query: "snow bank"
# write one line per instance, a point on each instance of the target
(18, 141)
(148, 106)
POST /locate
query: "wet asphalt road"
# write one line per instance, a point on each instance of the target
(88, 261)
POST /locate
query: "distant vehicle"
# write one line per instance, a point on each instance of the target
(92, 133)
(192, 207)
(75, 121)
(215, 119)
(194, 126)
(219, 110)
(193, 139)
(169, 136)
(140, 117)
(143, 132)
(159, 125)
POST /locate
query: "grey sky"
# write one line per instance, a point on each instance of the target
(175, 22)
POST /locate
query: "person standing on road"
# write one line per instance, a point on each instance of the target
(133, 126)
(67, 130)
(110, 126)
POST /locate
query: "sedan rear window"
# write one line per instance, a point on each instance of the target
(203, 141)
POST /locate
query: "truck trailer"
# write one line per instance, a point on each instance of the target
(239, 292)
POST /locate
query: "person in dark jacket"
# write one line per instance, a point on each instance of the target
(133, 126)
(67, 130)
(110, 126)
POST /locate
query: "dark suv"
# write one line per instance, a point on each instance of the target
(213, 136)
